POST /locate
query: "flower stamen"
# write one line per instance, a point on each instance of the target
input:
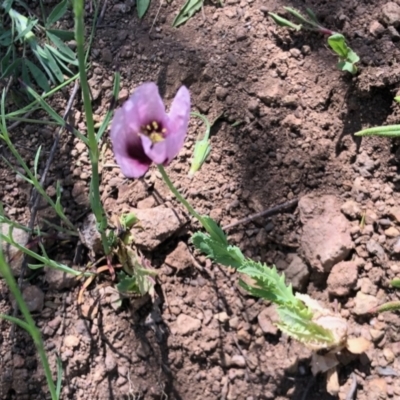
(154, 131)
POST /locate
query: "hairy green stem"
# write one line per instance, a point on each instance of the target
(28, 324)
(176, 193)
(95, 200)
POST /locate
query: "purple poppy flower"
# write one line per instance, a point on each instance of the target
(142, 132)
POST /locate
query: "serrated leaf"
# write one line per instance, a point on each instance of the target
(304, 330)
(142, 7)
(229, 256)
(187, 11)
(57, 13)
(38, 75)
(214, 230)
(284, 22)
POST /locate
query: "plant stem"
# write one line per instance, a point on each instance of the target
(31, 327)
(173, 189)
(95, 200)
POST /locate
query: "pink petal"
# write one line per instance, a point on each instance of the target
(131, 167)
(178, 123)
(155, 151)
(127, 147)
(146, 105)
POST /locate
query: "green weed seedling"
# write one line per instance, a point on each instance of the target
(390, 131)
(336, 41)
(202, 146)
(46, 43)
(390, 305)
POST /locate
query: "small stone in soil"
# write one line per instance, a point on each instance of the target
(185, 325)
(363, 303)
(343, 278)
(34, 298)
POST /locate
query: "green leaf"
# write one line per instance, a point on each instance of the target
(187, 11)
(51, 62)
(298, 15)
(230, 256)
(395, 283)
(16, 321)
(397, 98)
(352, 57)
(59, 377)
(337, 43)
(57, 13)
(63, 35)
(391, 131)
(302, 329)
(62, 47)
(312, 15)
(127, 284)
(284, 22)
(214, 230)
(39, 77)
(142, 6)
(59, 58)
(36, 162)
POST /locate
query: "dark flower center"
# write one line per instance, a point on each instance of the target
(154, 131)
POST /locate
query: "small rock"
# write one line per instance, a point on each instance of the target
(123, 95)
(376, 389)
(297, 273)
(343, 278)
(376, 334)
(110, 362)
(244, 336)
(90, 236)
(376, 249)
(238, 361)
(267, 319)
(71, 341)
(143, 350)
(80, 194)
(390, 14)
(221, 92)
(106, 55)
(241, 34)
(59, 280)
(364, 165)
(292, 121)
(180, 258)
(363, 303)
(222, 317)
(148, 202)
(326, 239)
(13, 256)
(351, 209)
(376, 29)
(395, 213)
(34, 298)
(253, 106)
(156, 225)
(185, 325)
(389, 355)
(272, 92)
(394, 34)
(392, 232)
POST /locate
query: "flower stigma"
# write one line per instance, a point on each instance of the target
(154, 131)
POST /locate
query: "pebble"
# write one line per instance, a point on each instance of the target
(343, 278)
(363, 303)
(390, 14)
(238, 361)
(267, 319)
(71, 341)
(221, 92)
(392, 232)
(34, 298)
(376, 29)
(185, 325)
(351, 209)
